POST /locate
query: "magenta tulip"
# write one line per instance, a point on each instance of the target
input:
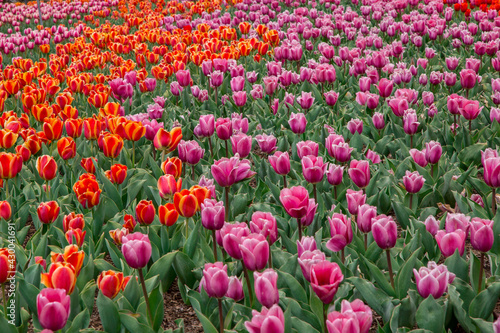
(235, 289)
(385, 231)
(190, 152)
(280, 162)
(431, 225)
(241, 144)
(295, 200)
(413, 181)
(481, 234)
(354, 200)
(450, 242)
(457, 221)
(267, 321)
(340, 232)
(342, 322)
(433, 151)
(307, 148)
(183, 77)
(136, 249)
(307, 243)
(326, 277)
(366, 213)
(53, 306)
(215, 279)
(297, 123)
(267, 143)
(223, 128)
(213, 214)
(313, 169)
(433, 280)
(362, 311)
(359, 172)
(342, 152)
(266, 287)
(255, 251)
(265, 224)
(334, 174)
(229, 171)
(232, 234)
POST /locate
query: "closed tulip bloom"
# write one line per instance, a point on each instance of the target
(136, 249)
(334, 174)
(385, 87)
(468, 78)
(190, 152)
(362, 311)
(223, 128)
(448, 242)
(47, 167)
(433, 151)
(340, 322)
(297, 123)
(240, 98)
(267, 143)
(454, 103)
(215, 279)
(231, 235)
(491, 173)
(342, 152)
(213, 214)
(5, 210)
(308, 258)
(111, 145)
(470, 109)
(310, 214)
(354, 200)
(326, 277)
(110, 283)
(168, 186)
(495, 115)
(268, 320)
(183, 77)
(280, 162)
(307, 243)
(229, 171)
(359, 171)
(307, 148)
(48, 211)
(61, 275)
(207, 125)
(88, 164)
(398, 106)
(340, 232)
(433, 280)
(87, 192)
(270, 84)
(295, 200)
(410, 123)
(366, 213)
(413, 181)
(373, 156)
(313, 168)
(66, 147)
(266, 287)
(235, 289)
(7, 265)
(265, 224)
(255, 251)
(75, 236)
(8, 138)
(23, 152)
(431, 225)
(145, 212)
(216, 79)
(428, 97)
(241, 144)
(378, 120)
(186, 203)
(419, 157)
(385, 231)
(481, 234)
(172, 166)
(237, 83)
(167, 214)
(457, 221)
(355, 125)
(331, 97)
(305, 100)
(53, 307)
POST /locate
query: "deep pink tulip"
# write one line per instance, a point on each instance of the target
(413, 181)
(310, 214)
(265, 224)
(481, 234)
(398, 106)
(468, 78)
(451, 241)
(255, 251)
(419, 157)
(223, 128)
(313, 168)
(307, 259)
(270, 84)
(331, 97)
(229, 171)
(232, 235)
(53, 306)
(433, 280)
(216, 78)
(340, 232)
(342, 152)
(410, 123)
(477, 199)
(355, 125)
(334, 174)
(433, 151)
(340, 322)
(213, 214)
(491, 172)
(331, 140)
(239, 123)
(207, 125)
(362, 311)
(235, 289)
(183, 77)
(266, 287)
(454, 103)
(431, 225)
(267, 143)
(190, 152)
(326, 277)
(457, 221)
(364, 84)
(470, 109)
(136, 249)
(240, 98)
(298, 123)
(280, 162)
(237, 83)
(488, 153)
(305, 100)
(373, 156)
(354, 200)
(241, 144)
(295, 200)
(428, 97)
(385, 231)
(451, 63)
(307, 148)
(359, 171)
(378, 120)
(215, 279)
(385, 87)
(267, 321)
(366, 213)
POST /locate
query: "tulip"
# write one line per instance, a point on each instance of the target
(305, 100)
(307, 148)
(398, 106)
(212, 214)
(241, 144)
(354, 200)
(235, 289)
(366, 213)
(448, 242)
(145, 212)
(419, 157)
(87, 192)
(457, 221)
(268, 320)
(172, 166)
(265, 224)
(110, 144)
(385, 234)
(266, 287)
(255, 251)
(48, 212)
(481, 238)
(342, 152)
(5, 210)
(7, 265)
(385, 87)
(215, 280)
(229, 171)
(88, 164)
(295, 200)
(223, 128)
(325, 280)
(280, 162)
(167, 214)
(75, 236)
(496, 324)
(47, 167)
(334, 175)
(240, 98)
(355, 125)
(341, 233)
(136, 249)
(331, 98)
(313, 169)
(340, 322)
(297, 123)
(117, 235)
(53, 307)
(433, 280)
(207, 125)
(431, 225)
(186, 204)
(468, 79)
(110, 283)
(363, 313)
(66, 147)
(231, 235)
(167, 141)
(359, 171)
(267, 143)
(410, 124)
(433, 151)
(470, 110)
(168, 186)
(183, 77)
(61, 275)
(378, 120)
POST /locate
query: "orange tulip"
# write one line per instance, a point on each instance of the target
(201, 193)
(24, 152)
(52, 128)
(33, 143)
(12, 87)
(145, 212)
(118, 234)
(110, 283)
(117, 174)
(168, 214)
(73, 127)
(110, 109)
(7, 265)
(45, 48)
(7, 138)
(69, 112)
(71, 255)
(73, 221)
(245, 27)
(75, 236)
(167, 186)
(134, 130)
(129, 222)
(87, 192)
(172, 166)
(92, 128)
(185, 203)
(167, 141)
(5, 210)
(61, 275)
(110, 144)
(98, 99)
(42, 111)
(47, 167)
(10, 165)
(88, 164)
(48, 211)
(66, 147)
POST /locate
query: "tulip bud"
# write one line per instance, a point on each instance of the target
(48, 211)
(110, 283)
(212, 214)
(5, 210)
(450, 242)
(255, 251)
(481, 234)
(145, 212)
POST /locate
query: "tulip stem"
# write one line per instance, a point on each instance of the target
(247, 278)
(143, 284)
(335, 192)
(227, 149)
(342, 256)
(187, 228)
(215, 244)
(285, 185)
(133, 153)
(4, 300)
(210, 145)
(315, 193)
(325, 318)
(432, 170)
(411, 141)
(366, 241)
(481, 268)
(221, 317)
(493, 201)
(227, 202)
(411, 200)
(389, 264)
(192, 172)
(300, 228)
(470, 128)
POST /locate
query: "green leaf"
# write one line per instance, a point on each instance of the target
(380, 278)
(458, 266)
(298, 293)
(157, 307)
(29, 292)
(302, 326)
(133, 292)
(208, 327)
(132, 325)
(376, 299)
(403, 278)
(162, 266)
(184, 267)
(484, 303)
(108, 312)
(81, 321)
(431, 315)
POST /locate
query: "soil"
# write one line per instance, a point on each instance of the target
(31, 231)
(177, 310)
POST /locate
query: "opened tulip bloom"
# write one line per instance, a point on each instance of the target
(362, 312)
(340, 232)
(433, 280)
(265, 224)
(268, 320)
(326, 277)
(307, 148)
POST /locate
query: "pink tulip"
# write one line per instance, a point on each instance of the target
(213, 214)
(297, 123)
(183, 77)
(340, 232)
(239, 123)
(310, 214)
(136, 249)
(53, 306)
(488, 153)
(364, 84)
(331, 97)
(237, 83)
(267, 321)
(457, 221)
(354, 200)
(468, 78)
(495, 115)
(223, 128)
(385, 231)
(366, 213)
(207, 125)
(307, 243)
(433, 280)
(216, 79)
(334, 174)
(451, 63)
(270, 84)
(255, 251)
(215, 279)
(240, 98)
(331, 140)
(373, 156)
(307, 259)
(454, 103)
(431, 225)
(477, 199)
(413, 181)
(235, 289)
(410, 123)
(491, 173)
(385, 87)
(359, 171)
(280, 162)
(229, 171)
(232, 235)
(307, 148)
(265, 224)
(355, 125)
(433, 151)
(266, 287)
(362, 311)
(267, 143)
(340, 322)
(481, 234)
(326, 277)
(398, 106)
(378, 120)
(496, 324)
(451, 241)
(295, 200)
(419, 157)
(470, 109)
(305, 100)
(190, 152)
(313, 168)
(342, 152)
(241, 144)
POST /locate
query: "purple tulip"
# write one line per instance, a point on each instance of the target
(266, 287)
(297, 123)
(433, 151)
(280, 162)
(342, 152)
(419, 157)
(265, 224)
(413, 181)
(355, 125)
(481, 234)
(136, 249)
(385, 231)
(215, 280)
(53, 306)
(305, 100)
(334, 174)
(190, 152)
(235, 289)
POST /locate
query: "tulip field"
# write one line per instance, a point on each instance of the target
(308, 166)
